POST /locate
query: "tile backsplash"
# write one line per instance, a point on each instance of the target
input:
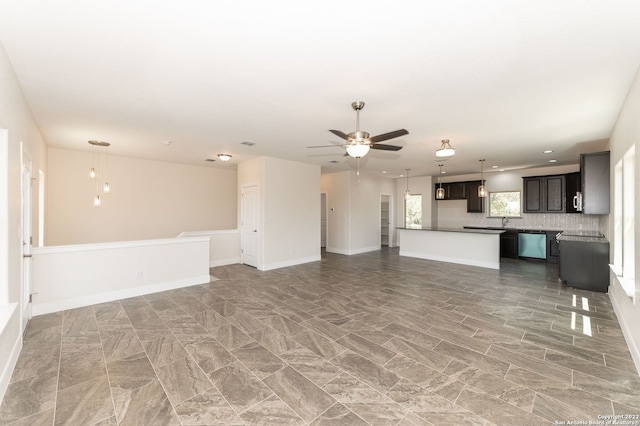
(550, 221)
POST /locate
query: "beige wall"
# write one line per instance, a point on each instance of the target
(291, 212)
(149, 199)
(353, 220)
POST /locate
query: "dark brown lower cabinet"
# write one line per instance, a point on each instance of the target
(509, 244)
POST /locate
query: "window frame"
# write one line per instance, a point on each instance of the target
(519, 213)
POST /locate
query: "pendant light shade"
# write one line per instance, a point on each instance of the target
(407, 193)
(482, 190)
(445, 149)
(440, 190)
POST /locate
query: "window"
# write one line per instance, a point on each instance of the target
(504, 203)
(624, 178)
(413, 211)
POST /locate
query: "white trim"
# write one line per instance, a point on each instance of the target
(6, 313)
(352, 252)
(624, 326)
(61, 305)
(223, 262)
(628, 285)
(117, 245)
(461, 261)
(291, 262)
(207, 233)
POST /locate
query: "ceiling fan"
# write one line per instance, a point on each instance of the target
(359, 142)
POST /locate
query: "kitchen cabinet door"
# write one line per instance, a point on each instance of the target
(573, 185)
(509, 244)
(475, 204)
(544, 194)
(554, 194)
(533, 195)
(595, 182)
(456, 191)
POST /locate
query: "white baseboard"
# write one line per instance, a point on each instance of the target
(222, 262)
(61, 305)
(291, 262)
(352, 252)
(12, 359)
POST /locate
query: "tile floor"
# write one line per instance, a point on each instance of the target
(372, 339)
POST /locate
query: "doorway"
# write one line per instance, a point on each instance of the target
(385, 220)
(249, 228)
(27, 241)
(323, 220)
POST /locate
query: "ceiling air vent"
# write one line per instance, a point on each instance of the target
(247, 143)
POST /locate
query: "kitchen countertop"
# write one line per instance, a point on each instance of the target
(478, 230)
(512, 229)
(567, 235)
(583, 238)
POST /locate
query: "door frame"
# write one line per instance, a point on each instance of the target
(326, 219)
(258, 248)
(26, 235)
(391, 218)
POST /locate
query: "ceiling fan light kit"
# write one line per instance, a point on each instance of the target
(224, 157)
(359, 142)
(358, 150)
(445, 149)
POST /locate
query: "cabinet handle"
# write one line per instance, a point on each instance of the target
(575, 201)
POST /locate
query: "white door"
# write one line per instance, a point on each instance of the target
(25, 299)
(249, 228)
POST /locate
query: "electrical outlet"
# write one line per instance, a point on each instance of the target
(139, 274)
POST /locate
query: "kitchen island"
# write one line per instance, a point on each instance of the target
(475, 247)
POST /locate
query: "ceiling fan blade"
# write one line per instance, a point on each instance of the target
(387, 136)
(386, 147)
(340, 134)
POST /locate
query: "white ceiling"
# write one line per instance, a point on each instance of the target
(503, 79)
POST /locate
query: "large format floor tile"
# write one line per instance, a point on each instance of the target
(370, 339)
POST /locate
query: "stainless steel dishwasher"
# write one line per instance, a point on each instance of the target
(532, 244)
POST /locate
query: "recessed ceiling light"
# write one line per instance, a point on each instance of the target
(502, 170)
(494, 167)
(401, 175)
(247, 143)
(384, 172)
(167, 142)
(553, 161)
(548, 151)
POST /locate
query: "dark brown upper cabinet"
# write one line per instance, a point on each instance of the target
(544, 194)
(594, 169)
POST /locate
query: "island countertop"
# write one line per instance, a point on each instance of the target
(465, 230)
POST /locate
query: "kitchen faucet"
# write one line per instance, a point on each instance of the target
(505, 220)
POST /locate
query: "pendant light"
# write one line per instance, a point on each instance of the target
(93, 173)
(482, 191)
(440, 190)
(106, 189)
(407, 193)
